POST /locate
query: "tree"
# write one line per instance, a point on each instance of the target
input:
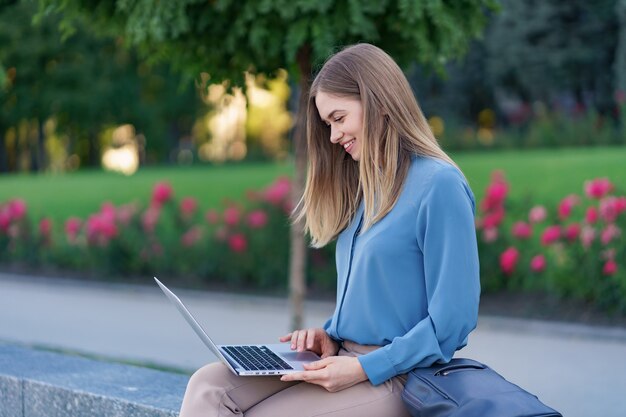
(620, 62)
(540, 48)
(84, 83)
(225, 38)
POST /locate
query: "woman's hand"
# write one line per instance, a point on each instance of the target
(334, 373)
(315, 340)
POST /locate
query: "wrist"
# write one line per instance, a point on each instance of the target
(360, 371)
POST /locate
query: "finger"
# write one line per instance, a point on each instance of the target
(301, 340)
(294, 339)
(285, 338)
(296, 376)
(317, 364)
(310, 339)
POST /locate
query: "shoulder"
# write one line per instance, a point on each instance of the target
(434, 179)
(426, 172)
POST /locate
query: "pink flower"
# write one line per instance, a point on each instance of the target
(257, 219)
(17, 209)
(566, 205)
(490, 234)
(162, 193)
(231, 216)
(598, 188)
(508, 260)
(620, 205)
(592, 215)
(101, 229)
(5, 219)
(108, 209)
(608, 254)
(495, 194)
(522, 230)
(188, 206)
(609, 209)
(45, 227)
(150, 218)
(537, 214)
(493, 218)
(550, 235)
(610, 232)
(620, 96)
(237, 243)
(72, 228)
(571, 232)
(212, 216)
(192, 236)
(538, 263)
(610, 267)
(278, 191)
(587, 236)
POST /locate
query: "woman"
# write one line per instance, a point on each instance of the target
(407, 261)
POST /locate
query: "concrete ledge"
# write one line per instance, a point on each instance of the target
(45, 384)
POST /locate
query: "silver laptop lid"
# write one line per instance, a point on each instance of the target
(194, 324)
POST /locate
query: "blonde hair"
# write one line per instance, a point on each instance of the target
(394, 129)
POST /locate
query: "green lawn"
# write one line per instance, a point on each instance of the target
(546, 175)
(82, 193)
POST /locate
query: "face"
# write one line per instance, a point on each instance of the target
(344, 116)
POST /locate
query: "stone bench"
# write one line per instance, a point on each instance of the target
(35, 383)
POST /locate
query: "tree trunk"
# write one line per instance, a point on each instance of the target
(297, 259)
(32, 140)
(4, 152)
(93, 157)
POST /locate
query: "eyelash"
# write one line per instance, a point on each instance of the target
(337, 120)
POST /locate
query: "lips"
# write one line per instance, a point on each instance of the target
(348, 145)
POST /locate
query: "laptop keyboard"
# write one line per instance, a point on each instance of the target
(256, 358)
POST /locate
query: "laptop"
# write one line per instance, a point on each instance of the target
(247, 360)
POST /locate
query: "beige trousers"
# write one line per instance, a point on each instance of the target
(214, 391)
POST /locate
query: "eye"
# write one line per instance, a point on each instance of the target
(339, 119)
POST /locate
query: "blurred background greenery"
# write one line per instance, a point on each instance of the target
(544, 74)
(101, 100)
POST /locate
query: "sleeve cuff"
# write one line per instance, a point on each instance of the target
(377, 366)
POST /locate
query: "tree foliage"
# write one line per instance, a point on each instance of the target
(538, 47)
(84, 83)
(620, 63)
(227, 37)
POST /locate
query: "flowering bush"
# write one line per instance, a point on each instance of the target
(576, 250)
(240, 244)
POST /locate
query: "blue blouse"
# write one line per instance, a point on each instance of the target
(410, 283)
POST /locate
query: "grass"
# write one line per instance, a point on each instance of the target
(545, 175)
(81, 193)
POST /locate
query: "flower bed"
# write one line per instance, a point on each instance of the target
(575, 250)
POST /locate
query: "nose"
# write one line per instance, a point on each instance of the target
(335, 134)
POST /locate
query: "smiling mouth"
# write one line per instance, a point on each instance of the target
(348, 145)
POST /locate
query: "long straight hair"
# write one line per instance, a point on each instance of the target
(394, 129)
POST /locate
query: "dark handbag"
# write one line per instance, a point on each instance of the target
(467, 388)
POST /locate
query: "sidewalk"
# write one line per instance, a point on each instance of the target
(579, 370)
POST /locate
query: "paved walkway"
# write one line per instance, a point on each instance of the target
(579, 370)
